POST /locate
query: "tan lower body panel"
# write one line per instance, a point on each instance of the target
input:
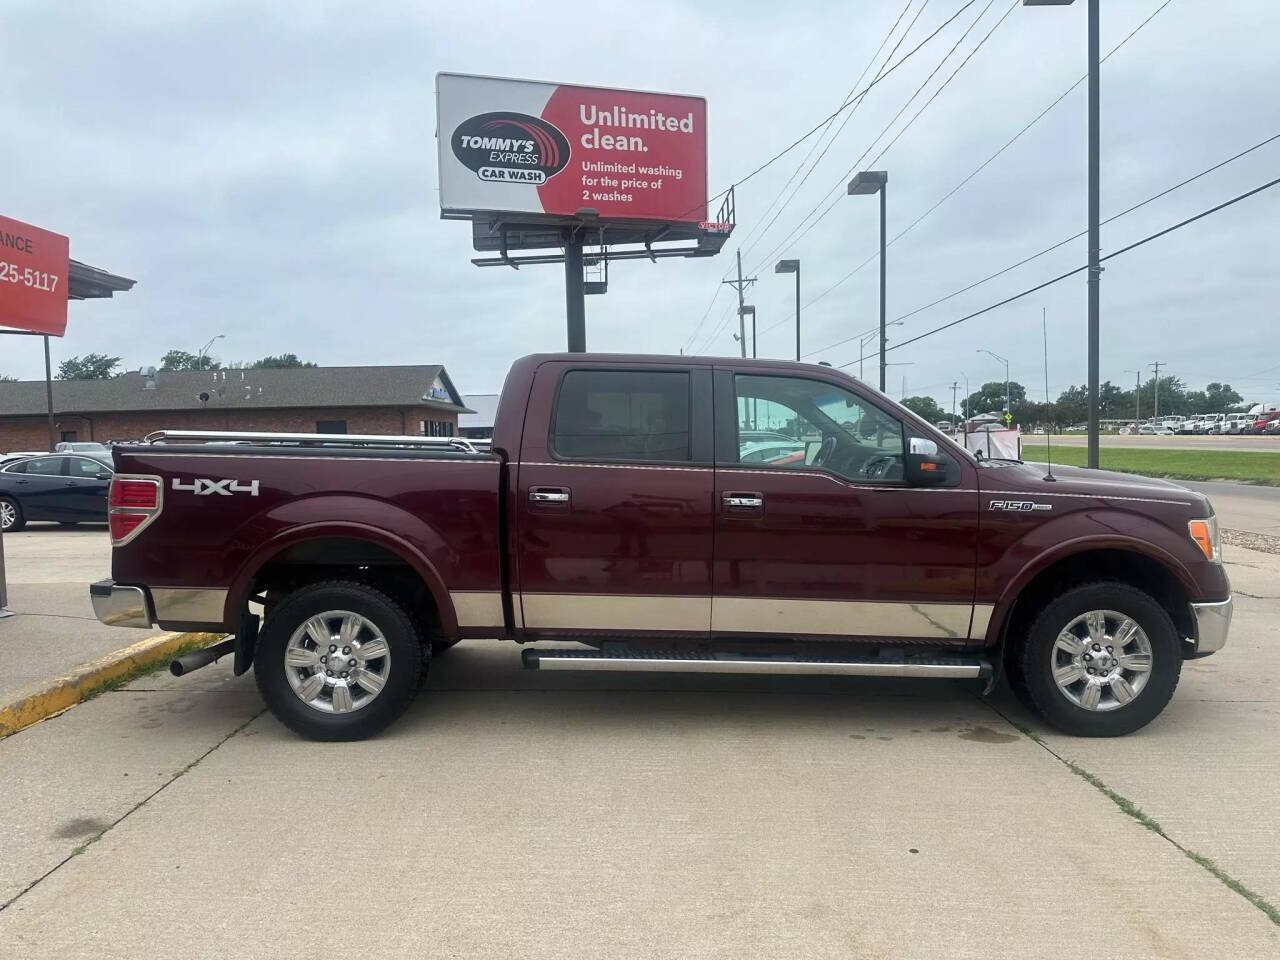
(846, 618)
(593, 611)
(188, 604)
(841, 618)
(477, 608)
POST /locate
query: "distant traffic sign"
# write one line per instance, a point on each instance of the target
(33, 278)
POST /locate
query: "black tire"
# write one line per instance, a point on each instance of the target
(402, 681)
(1037, 660)
(19, 521)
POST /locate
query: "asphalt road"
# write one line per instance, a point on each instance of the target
(543, 815)
(1189, 442)
(1242, 506)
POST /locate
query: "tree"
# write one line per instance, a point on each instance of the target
(990, 398)
(926, 408)
(176, 360)
(4, 379)
(92, 366)
(286, 361)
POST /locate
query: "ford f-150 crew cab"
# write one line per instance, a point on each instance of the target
(616, 510)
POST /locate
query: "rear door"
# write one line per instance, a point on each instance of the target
(833, 542)
(614, 501)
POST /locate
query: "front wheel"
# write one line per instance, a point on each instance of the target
(338, 660)
(1101, 660)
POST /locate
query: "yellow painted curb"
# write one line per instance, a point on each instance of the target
(92, 678)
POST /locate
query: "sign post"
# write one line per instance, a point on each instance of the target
(33, 300)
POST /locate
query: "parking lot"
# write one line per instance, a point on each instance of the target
(554, 815)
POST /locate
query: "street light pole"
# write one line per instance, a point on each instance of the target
(793, 266)
(1095, 241)
(1008, 401)
(866, 182)
(201, 353)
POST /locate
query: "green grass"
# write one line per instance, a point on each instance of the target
(1247, 466)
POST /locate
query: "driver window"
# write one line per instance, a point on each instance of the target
(793, 423)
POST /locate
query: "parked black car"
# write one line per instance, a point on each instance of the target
(67, 488)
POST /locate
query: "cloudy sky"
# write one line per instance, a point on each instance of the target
(267, 171)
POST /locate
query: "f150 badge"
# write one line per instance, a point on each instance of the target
(204, 487)
(1018, 506)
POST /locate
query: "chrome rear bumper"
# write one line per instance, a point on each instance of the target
(119, 606)
(1213, 620)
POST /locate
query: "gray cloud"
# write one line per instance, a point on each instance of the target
(267, 171)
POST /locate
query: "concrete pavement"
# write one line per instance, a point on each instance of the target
(544, 815)
(1242, 506)
(49, 571)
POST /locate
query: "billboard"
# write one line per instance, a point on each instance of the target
(526, 147)
(33, 278)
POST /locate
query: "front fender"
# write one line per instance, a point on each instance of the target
(1050, 542)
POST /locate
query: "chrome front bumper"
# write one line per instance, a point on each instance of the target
(1212, 622)
(119, 606)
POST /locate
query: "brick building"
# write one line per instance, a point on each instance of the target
(414, 400)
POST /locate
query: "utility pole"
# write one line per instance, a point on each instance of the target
(741, 285)
(1137, 400)
(1095, 230)
(954, 387)
(1157, 364)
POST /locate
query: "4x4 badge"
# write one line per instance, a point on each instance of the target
(204, 487)
(1018, 506)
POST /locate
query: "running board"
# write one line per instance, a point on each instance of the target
(674, 661)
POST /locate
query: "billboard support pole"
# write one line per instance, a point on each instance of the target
(48, 393)
(574, 293)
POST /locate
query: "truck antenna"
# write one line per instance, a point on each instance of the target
(1048, 451)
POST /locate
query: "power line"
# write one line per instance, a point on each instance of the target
(1123, 250)
(792, 238)
(813, 146)
(1060, 243)
(795, 143)
(982, 166)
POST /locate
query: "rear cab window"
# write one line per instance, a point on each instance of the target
(622, 415)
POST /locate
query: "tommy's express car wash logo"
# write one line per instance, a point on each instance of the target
(511, 147)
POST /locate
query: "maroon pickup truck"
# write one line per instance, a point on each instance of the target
(628, 505)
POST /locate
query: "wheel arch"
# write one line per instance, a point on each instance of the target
(1146, 568)
(327, 540)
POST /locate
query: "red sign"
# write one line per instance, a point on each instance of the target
(33, 278)
(518, 146)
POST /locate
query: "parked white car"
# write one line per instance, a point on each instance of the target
(1154, 430)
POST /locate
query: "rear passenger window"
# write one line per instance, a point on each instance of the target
(44, 466)
(622, 415)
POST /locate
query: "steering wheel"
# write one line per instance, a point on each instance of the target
(877, 467)
(825, 451)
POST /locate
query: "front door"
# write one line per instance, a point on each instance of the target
(817, 533)
(614, 503)
(40, 485)
(86, 492)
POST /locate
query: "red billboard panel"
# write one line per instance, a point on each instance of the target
(33, 278)
(519, 146)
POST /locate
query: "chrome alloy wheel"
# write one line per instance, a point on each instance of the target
(7, 514)
(337, 662)
(1101, 660)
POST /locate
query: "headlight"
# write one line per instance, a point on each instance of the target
(1205, 534)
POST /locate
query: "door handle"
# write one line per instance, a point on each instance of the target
(748, 501)
(548, 495)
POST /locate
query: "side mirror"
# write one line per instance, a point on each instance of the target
(924, 468)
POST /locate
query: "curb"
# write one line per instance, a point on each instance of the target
(88, 681)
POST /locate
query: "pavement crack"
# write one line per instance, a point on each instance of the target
(1270, 910)
(90, 841)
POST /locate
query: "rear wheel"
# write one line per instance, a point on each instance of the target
(338, 660)
(11, 519)
(1101, 660)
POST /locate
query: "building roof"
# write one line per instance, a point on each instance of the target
(93, 283)
(484, 408)
(427, 386)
